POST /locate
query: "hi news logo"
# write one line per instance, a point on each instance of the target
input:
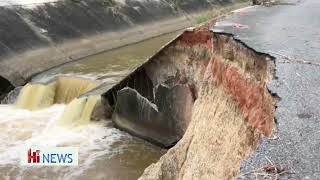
(57, 156)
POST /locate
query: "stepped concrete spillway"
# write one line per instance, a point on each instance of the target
(36, 37)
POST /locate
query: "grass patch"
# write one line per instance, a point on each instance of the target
(217, 11)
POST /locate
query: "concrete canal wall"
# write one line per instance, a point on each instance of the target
(38, 36)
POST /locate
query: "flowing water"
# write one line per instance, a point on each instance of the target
(50, 113)
(110, 66)
(105, 152)
(62, 91)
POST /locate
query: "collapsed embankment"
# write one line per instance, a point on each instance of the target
(36, 37)
(207, 89)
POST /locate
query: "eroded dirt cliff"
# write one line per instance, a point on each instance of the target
(233, 107)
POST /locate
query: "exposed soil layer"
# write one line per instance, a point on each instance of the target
(220, 125)
(215, 142)
(244, 74)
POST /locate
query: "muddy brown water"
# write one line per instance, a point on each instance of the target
(112, 65)
(104, 152)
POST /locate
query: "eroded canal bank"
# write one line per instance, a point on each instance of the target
(207, 91)
(204, 95)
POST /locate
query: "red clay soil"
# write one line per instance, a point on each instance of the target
(251, 97)
(196, 38)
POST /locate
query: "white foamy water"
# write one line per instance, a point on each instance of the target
(24, 2)
(19, 128)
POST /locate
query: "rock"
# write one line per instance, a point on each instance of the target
(107, 108)
(261, 2)
(100, 111)
(138, 116)
(214, 145)
(176, 103)
(164, 122)
(12, 96)
(5, 87)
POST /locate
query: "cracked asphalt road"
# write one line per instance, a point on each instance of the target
(291, 33)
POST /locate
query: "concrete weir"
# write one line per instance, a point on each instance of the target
(36, 37)
(208, 92)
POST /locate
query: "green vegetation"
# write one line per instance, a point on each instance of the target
(215, 12)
